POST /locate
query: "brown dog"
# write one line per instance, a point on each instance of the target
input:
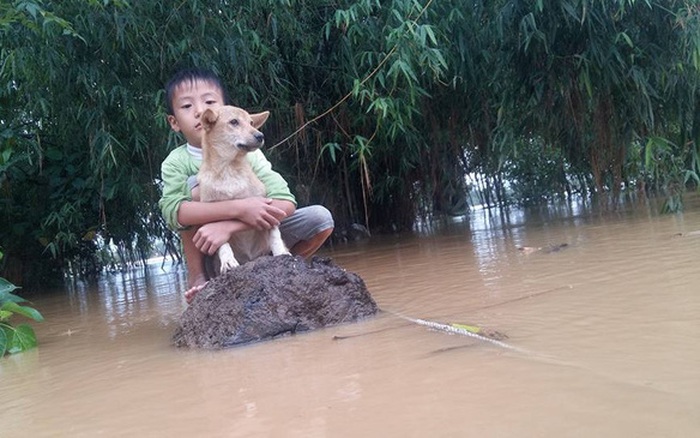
(229, 134)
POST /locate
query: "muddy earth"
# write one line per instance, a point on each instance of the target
(271, 297)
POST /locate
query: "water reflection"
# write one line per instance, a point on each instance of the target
(128, 297)
(618, 310)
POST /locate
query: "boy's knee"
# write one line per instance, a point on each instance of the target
(306, 223)
(320, 217)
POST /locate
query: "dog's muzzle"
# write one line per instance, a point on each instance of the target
(248, 148)
(259, 137)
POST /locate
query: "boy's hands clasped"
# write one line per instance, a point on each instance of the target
(251, 213)
(259, 213)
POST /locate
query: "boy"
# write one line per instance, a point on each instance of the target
(205, 226)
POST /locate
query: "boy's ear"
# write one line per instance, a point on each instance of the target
(172, 121)
(209, 118)
(259, 119)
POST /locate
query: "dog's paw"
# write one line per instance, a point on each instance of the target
(226, 259)
(227, 265)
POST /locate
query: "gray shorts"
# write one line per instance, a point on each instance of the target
(305, 223)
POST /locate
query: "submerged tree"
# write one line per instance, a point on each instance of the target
(597, 78)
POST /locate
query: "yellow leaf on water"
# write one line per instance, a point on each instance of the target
(469, 328)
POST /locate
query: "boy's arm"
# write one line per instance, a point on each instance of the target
(276, 186)
(175, 190)
(180, 209)
(218, 221)
(259, 213)
(210, 236)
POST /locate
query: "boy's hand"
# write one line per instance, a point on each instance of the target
(209, 237)
(259, 213)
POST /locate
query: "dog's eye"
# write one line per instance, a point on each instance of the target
(234, 122)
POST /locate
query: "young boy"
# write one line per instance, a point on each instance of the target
(205, 226)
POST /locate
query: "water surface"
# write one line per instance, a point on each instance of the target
(607, 333)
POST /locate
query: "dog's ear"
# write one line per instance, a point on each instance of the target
(209, 118)
(259, 119)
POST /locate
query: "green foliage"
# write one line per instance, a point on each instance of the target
(15, 339)
(665, 168)
(598, 76)
(537, 174)
(79, 148)
(399, 100)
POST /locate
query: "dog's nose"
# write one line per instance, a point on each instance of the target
(260, 137)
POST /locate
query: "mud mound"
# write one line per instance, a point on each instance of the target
(270, 297)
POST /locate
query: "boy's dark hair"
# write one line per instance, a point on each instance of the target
(191, 75)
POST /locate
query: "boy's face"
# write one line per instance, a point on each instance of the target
(190, 99)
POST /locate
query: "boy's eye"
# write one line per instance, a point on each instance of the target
(186, 106)
(211, 102)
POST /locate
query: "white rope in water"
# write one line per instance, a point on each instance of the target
(459, 331)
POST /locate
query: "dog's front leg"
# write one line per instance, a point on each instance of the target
(277, 245)
(226, 258)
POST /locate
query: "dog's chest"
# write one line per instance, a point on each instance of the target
(232, 183)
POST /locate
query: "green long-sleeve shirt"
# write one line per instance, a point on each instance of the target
(180, 164)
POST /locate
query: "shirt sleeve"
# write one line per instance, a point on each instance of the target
(276, 186)
(174, 174)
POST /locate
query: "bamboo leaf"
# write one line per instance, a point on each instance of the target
(627, 39)
(431, 34)
(332, 149)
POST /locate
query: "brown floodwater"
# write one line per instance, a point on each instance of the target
(605, 335)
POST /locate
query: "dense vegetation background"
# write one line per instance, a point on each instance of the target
(408, 107)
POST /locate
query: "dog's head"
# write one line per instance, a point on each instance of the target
(231, 130)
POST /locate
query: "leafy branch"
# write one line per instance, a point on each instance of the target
(15, 339)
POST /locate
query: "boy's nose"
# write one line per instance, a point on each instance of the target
(198, 109)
